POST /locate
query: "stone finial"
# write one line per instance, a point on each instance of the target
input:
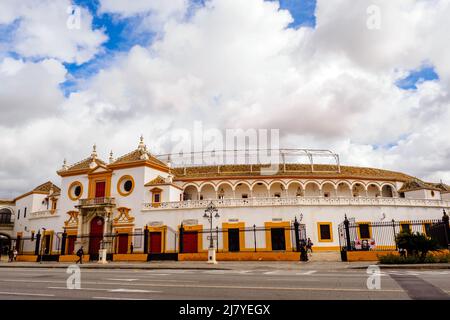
(141, 143)
(111, 159)
(65, 166)
(94, 152)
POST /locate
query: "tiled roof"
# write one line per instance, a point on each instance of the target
(156, 181)
(416, 184)
(6, 202)
(45, 187)
(84, 164)
(139, 155)
(297, 170)
(444, 188)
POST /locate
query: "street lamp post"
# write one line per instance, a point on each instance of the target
(209, 212)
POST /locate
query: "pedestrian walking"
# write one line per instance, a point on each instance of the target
(15, 253)
(309, 245)
(10, 255)
(80, 254)
(131, 248)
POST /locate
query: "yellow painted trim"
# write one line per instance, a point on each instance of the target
(287, 234)
(73, 258)
(154, 192)
(370, 230)
(125, 193)
(403, 223)
(138, 163)
(233, 225)
(98, 177)
(367, 255)
(319, 235)
(163, 230)
(119, 231)
(130, 257)
(243, 256)
(27, 258)
(51, 233)
(198, 228)
(72, 186)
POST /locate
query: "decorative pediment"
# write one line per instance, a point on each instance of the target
(72, 222)
(123, 217)
(156, 181)
(99, 168)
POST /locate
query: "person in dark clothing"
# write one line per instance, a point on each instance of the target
(303, 252)
(309, 245)
(131, 247)
(80, 254)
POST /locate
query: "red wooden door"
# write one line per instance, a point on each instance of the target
(71, 244)
(100, 189)
(190, 242)
(123, 243)
(96, 235)
(155, 242)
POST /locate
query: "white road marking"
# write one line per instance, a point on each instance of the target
(109, 290)
(306, 273)
(272, 272)
(117, 298)
(122, 279)
(226, 287)
(26, 294)
(132, 290)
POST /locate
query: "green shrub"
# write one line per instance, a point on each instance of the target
(416, 244)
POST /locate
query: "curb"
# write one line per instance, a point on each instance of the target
(94, 266)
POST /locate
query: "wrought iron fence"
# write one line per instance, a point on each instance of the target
(381, 235)
(157, 241)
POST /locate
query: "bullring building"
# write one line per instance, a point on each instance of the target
(140, 204)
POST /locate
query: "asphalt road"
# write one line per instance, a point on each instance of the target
(120, 284)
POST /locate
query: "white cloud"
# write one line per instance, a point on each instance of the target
(42, 30)
(236, 64)
(29, 90)
(155, 13)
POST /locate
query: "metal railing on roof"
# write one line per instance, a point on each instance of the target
(251, 157)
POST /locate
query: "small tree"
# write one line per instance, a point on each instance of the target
(416, 244)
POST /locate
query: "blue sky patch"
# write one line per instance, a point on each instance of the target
(302, 11)
(425, 73)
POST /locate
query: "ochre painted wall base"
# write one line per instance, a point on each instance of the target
(73, 258)
(27, 258)
(242, 256)
(367, 255)
(130, 257)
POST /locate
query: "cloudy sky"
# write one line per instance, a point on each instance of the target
(323, 72)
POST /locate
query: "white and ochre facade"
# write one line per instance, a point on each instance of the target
(138, 191)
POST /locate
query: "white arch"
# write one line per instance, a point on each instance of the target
(227, 183)
(377, 185)
(191, 184)
(344, 182)
(328, 182)
(208, 183)
(312, 182)
(277, 181)
(294, 181)
(260, 181)
(242, 182)
(361, 183)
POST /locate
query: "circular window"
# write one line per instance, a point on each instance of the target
(125, 185)
(75, 190)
